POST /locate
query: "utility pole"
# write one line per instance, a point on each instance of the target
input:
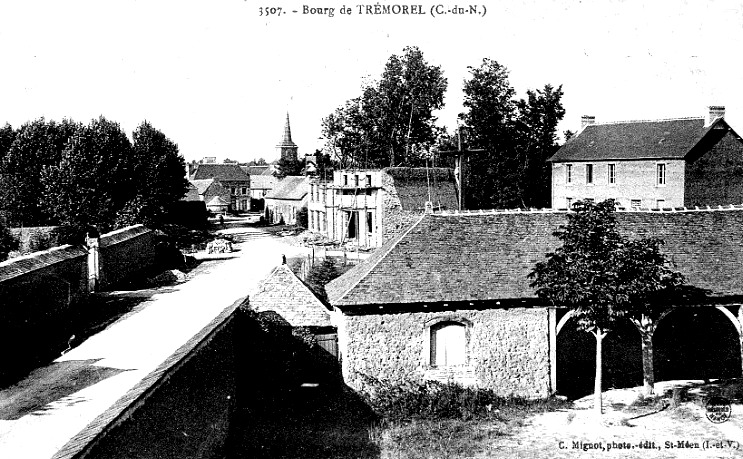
(459, 155)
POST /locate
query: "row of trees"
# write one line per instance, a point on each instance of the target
(74, 175)
(392, 123)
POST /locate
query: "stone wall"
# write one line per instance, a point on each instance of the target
(182, 409)
(125, 253)
(507, 350)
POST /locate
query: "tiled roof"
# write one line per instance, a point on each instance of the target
(288, 296)
(664, 139)
(449, 257)
(413, 184)
(202, 185)
(192, 193)
(263, 182)
(217, 201)
(222, 172)
(255, 170)
(291, 187)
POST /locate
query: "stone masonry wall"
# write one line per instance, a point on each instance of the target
(126, 252)
(507, 349)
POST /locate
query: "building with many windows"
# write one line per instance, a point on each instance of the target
(369, 206)
(230, 176)
(683, 162)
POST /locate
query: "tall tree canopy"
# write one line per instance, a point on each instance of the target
(35, 146)
(518, 136)
(158, 178)
(601, 275)
(94, 177)
(392, 122)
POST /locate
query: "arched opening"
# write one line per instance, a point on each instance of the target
(576, 358)
(696, 343)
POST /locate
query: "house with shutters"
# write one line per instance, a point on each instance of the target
(449, 299)
(683, 162)
(366, 207)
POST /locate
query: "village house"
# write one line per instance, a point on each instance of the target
(369, 206)
(230, 176)
(286, 200)
(211, 192)
(683, 162)
(449, 300)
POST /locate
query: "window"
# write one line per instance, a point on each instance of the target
(612, 174)
(233, 190)
(369, 222)
(368, 180)
(661, 174)
(660, 203)
(345, 179)
(448, 344)
(355, 180)
(635, 203)
(569, 203)
(243, 191)
(589, 174)
(568, 173)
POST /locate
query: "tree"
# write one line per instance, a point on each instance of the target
(601, 275)
(518, 136)
(537, 120)
(158, 178)
(289, 166)
(93, 180)
(35, 146)
(392, 117)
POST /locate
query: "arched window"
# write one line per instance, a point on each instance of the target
(448, 344)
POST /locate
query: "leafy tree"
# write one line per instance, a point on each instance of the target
(601, 275)
(93, 180)
(258, 162)
(517, 135)
(392, 118)
(537, 120)
(35, 146)
(7, 135)
(320, 275)
(289, 166)
(158, 177)
(8, 243)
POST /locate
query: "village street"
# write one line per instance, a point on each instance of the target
(39, 415)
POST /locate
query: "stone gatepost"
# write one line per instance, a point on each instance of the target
(92, 240)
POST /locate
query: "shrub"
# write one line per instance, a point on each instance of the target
(436, 400)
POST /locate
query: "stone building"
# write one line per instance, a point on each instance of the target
(651, 164)
(369, 206)
(449, 300)
(287, 148)
(286, 200)
(229, 176)
(211, 192)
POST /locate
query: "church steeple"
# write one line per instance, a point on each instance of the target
(287, 148)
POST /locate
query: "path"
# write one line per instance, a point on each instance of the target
(39, 415)
(573, 433)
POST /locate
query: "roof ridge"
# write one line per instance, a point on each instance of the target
(478, 212)
(687, 118)
(382, 256)
(303, 285)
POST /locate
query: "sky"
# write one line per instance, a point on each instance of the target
(218, 78)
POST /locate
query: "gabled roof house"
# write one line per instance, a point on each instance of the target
(449, 299)
(682, 162)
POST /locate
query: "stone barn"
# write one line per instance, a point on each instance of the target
(449, 300)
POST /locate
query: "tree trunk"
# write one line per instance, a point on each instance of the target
(597, 401)
(648, 372)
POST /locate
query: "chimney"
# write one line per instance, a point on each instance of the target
(586, 120)
(715, 111)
